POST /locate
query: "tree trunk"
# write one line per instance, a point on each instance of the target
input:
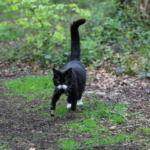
(144, 5)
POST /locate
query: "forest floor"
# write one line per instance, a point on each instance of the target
(21, 130)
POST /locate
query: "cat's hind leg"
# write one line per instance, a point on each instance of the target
(68, 105)
(69, 102)
(79, 102)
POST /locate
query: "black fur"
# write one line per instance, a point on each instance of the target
(72, 78)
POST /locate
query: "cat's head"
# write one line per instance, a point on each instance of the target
(62, 79)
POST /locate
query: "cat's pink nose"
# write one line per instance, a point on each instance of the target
(62, 87)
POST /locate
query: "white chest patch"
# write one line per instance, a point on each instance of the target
(62, 86)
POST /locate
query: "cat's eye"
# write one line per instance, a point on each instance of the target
(66, 81)
(57, 81)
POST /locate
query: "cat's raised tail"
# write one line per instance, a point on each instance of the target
(75, 39)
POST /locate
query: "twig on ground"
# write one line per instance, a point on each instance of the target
(119, 115)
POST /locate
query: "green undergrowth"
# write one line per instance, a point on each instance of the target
(111, 36)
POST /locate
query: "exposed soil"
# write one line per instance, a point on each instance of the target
(29, 131)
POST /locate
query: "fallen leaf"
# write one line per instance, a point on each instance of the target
(113, 127)
(32, 148)
(135, 100)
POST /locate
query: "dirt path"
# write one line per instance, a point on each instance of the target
(22, 130)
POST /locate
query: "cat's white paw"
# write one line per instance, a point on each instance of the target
(68, 105)
(79, 102)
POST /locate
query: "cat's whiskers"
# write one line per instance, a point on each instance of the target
(57, 89)
(66, 91)
(71, 85)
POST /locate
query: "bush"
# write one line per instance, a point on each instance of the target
(43, 24)
(120, 36)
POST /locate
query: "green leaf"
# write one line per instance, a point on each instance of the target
(30, 39)
(46, 24)
(66, 54)
(39, 44)
(107, 68)
(3, 145)
(148, 75)
(77, 10)
(130, 72)
(45, 1)
(143, 51)
(86, 13)
(119, 71)
(59, 36)
(48, 57)
(60, 6)
(26, 3)
(4, 24)
(59, 28)
(37, 25)
(28, 13)
(143, 76)
(14, 7)
(73, 5)
(41, 7)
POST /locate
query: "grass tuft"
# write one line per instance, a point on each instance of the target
(68, 144)
(30, 84)
(143, 130)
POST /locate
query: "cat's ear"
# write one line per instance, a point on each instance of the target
(69, 71)
(56, 72)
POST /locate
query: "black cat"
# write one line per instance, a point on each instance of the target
(72, 78)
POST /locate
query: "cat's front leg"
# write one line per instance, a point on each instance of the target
(73, 105)
(55, 98)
